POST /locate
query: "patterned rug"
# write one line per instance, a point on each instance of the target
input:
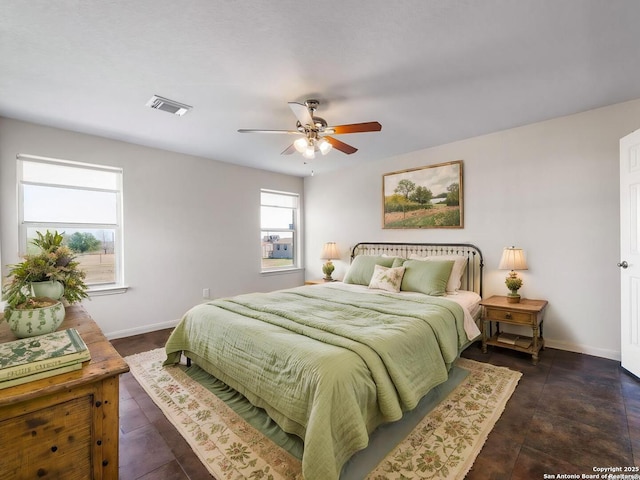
(443, 445)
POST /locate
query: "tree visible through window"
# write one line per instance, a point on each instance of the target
(278, 220)
(82, 201)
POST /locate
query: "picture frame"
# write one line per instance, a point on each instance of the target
(424, 197)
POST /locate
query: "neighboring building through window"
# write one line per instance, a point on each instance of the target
(82, 201)
(279, 235)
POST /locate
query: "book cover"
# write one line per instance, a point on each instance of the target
(32, 355)
(509, 338)
(523, 342)
(517, 340)
(39, 375)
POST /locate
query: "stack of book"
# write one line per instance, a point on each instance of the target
(43, 356)
(518, 340)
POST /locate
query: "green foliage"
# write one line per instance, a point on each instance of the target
(421, 195)
(405, 187)
(448, 218)
(513, 283)
(82, 242)
(54, 262)
(49, 241)
(390, 207)
(328, 268)
(453, 197)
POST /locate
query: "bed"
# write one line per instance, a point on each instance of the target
(331, 362)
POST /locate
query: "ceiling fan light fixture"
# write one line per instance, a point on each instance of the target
(309, 152)
(324, 146)
(312, 130)
(301, 144)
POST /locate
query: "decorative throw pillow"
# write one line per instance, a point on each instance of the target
(361, 269)
(459, 266)
(385, 278)
(426, 277)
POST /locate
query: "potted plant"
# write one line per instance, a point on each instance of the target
(55, 268)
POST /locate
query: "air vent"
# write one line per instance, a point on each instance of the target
(166, 105)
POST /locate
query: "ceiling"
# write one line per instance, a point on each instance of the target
(430, 71)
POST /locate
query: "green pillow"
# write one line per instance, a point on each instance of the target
(398, 262)
(361, 269)
(426, 277)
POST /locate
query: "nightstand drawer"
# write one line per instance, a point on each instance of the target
(500, 315)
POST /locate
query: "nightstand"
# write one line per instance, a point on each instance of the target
(319, 281)
(525, 313)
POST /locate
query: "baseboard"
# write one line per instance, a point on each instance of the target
(596, 352)
(129, 332)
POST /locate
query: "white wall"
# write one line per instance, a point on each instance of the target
(551, 188)
(189, 223)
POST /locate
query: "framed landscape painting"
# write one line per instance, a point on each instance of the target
(425, 197)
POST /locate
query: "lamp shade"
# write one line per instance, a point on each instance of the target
(513, 259)
(330, 251)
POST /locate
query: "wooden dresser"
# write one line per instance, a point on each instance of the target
(65, 426)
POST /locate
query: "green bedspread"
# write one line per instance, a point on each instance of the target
(327, 364)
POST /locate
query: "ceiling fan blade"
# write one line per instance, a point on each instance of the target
(255, 130)
(302, 113)
(343, 147)
(289, 150)
(355, 128)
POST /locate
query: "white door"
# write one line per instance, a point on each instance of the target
(630, 251)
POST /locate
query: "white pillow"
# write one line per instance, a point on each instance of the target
(459, 265)
(386, 278)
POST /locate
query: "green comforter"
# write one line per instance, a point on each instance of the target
(327, 364)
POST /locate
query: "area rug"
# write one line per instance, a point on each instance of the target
(443, 444)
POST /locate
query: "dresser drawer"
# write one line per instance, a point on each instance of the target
(500, 315)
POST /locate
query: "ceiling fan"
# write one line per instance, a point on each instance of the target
(316, 132)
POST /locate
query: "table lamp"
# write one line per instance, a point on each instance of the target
(329, 252)
(513, 259)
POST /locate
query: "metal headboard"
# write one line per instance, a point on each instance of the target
(472, 278)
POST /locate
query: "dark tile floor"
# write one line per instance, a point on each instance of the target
(569, 414)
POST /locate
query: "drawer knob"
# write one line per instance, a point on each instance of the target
(508, 316)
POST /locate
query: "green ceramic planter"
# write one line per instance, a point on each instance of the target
(36, 321)
(50, 289)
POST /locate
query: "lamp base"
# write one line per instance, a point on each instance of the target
(328, 269)
(513, 298)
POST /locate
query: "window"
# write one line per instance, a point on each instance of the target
(80, 200)
(278, 224)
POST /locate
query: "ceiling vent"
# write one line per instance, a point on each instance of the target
(166, 105)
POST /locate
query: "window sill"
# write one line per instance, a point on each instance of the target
(101, 290)
(282, 271)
